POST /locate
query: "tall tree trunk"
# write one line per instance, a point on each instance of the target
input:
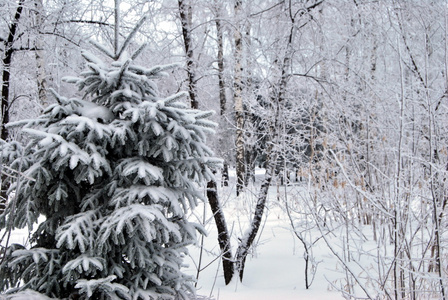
(223, 233)
(247, 240)
(238, 99)
(250, 135)
(186, 19)
(221, 82)
(7, 59)
(40, 55)
(212, 191)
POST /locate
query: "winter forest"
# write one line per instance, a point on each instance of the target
(241, 149)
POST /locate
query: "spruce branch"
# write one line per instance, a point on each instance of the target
(139, 50)
(61, 100)
(102, 49)
(130, 37)
(123, 69)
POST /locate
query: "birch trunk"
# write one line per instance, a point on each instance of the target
(239, 110)
(186, 20)
(40, 56)
(221, 82)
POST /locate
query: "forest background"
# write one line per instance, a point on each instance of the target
(346, 98)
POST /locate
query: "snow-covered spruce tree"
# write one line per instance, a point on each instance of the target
(114, 175)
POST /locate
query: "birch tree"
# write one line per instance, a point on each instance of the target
(42, 85)
(238, 98)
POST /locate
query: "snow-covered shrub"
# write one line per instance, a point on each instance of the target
(114, 176)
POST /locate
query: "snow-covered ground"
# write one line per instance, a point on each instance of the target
(274, 271)
(275, 267)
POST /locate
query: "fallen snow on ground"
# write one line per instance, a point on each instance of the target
(275, 271)
(275, 267)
